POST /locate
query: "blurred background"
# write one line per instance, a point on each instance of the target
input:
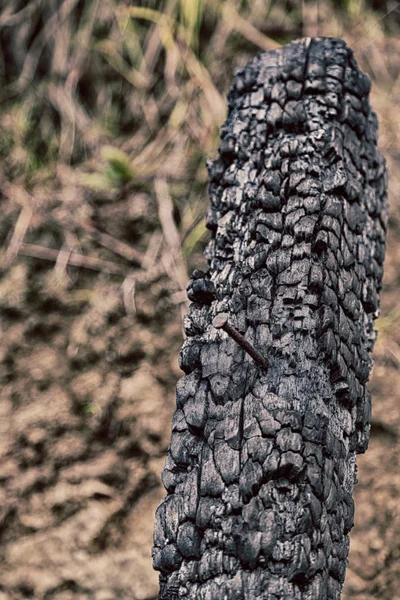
(108, 112)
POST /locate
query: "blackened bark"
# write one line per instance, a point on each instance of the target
(262, 463)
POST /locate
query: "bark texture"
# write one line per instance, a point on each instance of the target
(262, 462)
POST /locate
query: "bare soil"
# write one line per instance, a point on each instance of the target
(87, 393)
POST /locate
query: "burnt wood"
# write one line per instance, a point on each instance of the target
(262, 462)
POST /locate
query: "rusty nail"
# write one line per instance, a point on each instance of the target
(220, 321)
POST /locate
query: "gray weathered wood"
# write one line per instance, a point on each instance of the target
(262, 462)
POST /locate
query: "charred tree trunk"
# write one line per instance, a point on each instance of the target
(262, 460)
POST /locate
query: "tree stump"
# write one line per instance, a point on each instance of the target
(262, 460)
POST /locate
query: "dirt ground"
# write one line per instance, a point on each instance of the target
(87, 393)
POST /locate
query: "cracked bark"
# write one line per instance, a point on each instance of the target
(262, 463)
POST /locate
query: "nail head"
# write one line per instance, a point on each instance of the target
(220, 320)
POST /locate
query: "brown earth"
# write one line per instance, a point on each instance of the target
(87, 393)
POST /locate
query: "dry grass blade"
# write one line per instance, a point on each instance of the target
(7, 19)
(171, 234)
(190, 15)
(393, 349)
(165, 213)
(62, 261)
(167, 25)
(128, 294)
(114, 245)
(109, 51)
(20, 230)
(165, 22)
(74, 259)
(83, 38)
(246, 29)
(33, 56)
(152, 251)
(203, 79)
(375, 25)
(310, 12)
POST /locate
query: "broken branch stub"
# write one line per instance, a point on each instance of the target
(262, 462)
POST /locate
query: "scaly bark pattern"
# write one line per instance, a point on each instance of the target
(262, 462)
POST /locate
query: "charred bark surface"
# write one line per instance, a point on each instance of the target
(262, 462)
